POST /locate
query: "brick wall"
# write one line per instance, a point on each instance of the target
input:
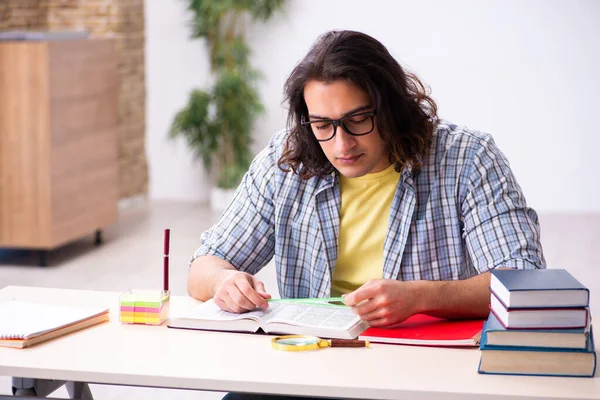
(124, 21)
(132, 99)
(23, 14)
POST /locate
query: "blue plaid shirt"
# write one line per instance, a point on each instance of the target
(463, 214)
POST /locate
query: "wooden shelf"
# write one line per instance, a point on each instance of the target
(58, 141)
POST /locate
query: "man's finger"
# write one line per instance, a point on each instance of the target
(379, 322)
(221, 304)
(239, 298)
(226, 303)
(260, 288)
(373, 314)
(366, 307)
(365, 292)
(248, 291)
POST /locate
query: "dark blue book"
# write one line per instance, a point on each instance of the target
(494, 334)
(538, 288)
(536, 361)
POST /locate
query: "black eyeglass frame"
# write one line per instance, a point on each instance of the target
(340, 122)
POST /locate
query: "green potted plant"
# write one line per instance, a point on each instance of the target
(217, 123)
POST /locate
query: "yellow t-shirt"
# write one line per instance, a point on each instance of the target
(364, 215)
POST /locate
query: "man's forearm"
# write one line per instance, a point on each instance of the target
(457, 299)
(205, 276)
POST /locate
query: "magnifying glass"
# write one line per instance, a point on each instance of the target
(302, 343)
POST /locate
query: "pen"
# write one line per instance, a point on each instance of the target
(166, 260)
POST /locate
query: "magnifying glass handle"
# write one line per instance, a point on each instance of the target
(348, 343)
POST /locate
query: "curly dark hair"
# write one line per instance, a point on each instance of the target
(406, 115)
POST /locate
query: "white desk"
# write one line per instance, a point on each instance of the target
(112, 353)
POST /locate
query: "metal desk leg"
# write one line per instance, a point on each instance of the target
(41, 388)
(79, 390)
(34, 387)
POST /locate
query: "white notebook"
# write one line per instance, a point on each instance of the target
(24, 320)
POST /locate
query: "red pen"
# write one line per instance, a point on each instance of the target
(166, 260)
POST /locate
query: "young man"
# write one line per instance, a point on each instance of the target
(370, 195)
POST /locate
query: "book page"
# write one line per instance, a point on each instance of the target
(210, 311)
(21, 319)
(311, 315)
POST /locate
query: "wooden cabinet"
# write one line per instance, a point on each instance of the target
(58, 141)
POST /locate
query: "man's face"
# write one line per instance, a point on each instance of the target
(352, 156)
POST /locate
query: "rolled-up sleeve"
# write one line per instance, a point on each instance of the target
(244, 234)
(500, 230)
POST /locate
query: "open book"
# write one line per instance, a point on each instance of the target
(326, 321)
(24, 324)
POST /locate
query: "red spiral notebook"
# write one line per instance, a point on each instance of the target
(424, 330)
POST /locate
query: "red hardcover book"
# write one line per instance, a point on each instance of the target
(424, 330)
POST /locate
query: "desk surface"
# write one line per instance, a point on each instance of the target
(112, 353)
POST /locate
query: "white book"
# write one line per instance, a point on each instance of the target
(539, 318)
(325, 321)
(23, 323)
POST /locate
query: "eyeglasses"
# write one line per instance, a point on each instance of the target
(356, 125)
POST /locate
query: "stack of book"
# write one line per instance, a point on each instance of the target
(539, 324)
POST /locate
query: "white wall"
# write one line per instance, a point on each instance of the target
(524, 71)
(174, 66)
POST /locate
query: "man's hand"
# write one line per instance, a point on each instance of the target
(240, 292)
(384, 302)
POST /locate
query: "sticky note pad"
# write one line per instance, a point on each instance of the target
(149, 307)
